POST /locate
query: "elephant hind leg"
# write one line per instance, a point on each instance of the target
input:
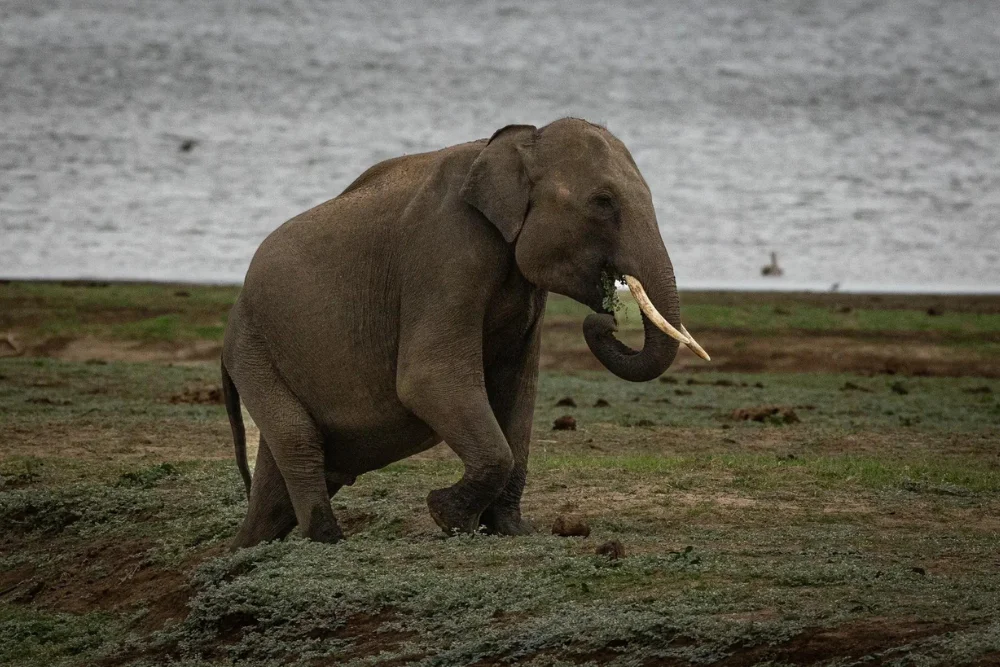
(270, 515)
(293, 440)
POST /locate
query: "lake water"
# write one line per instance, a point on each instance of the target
(860, 140)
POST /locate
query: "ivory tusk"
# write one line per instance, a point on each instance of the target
(697, 349)
(647, 307)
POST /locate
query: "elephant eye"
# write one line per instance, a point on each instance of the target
(605, 204)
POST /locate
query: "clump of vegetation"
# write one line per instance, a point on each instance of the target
(148, 477)
(610, 280)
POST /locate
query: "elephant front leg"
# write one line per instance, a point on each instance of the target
(511, 384)
(459, 412)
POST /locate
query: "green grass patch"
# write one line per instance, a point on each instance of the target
(790, 316)
(873, 515)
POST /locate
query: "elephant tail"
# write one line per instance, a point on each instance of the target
(232, 398)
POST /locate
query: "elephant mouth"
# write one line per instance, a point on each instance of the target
(610, 303)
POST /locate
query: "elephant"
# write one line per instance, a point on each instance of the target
(407, 311)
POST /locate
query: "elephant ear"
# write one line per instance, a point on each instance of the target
(498, 185)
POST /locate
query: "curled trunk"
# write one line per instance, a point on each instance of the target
(658, 350)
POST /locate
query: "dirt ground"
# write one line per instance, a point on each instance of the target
(36, 324)
(814, 496)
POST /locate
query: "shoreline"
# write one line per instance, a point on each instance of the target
(920, 335)
(751, 287)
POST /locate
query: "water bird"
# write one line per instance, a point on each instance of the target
(772, 269)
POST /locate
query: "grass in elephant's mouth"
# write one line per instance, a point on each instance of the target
(866, 531)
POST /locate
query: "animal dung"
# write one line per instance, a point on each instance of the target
(771, 414)
(570, 525)
(564, 423)
(199, 395)
(567, 402)
(613, 549)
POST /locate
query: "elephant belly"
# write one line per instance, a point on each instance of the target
(390, 435)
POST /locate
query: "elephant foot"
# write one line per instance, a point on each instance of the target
(505, 522)
(452, 515)
(323, 526)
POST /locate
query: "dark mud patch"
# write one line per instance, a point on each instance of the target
(106, 576)
(370, 637)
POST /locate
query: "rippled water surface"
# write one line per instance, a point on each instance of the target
(859, 140)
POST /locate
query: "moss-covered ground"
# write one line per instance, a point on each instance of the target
(856, 523)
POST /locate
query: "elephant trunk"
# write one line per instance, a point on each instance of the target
(655, 280)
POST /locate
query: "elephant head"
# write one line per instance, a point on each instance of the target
(571, 201)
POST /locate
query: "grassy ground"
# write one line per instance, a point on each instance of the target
(858, 522)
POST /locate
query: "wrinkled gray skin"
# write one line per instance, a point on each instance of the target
(408, 311)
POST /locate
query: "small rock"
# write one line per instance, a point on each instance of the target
(919, 570)
(567, 402)
(899, 388)
(187, 145)
(564, 423)
(570, 525)
(601, 403)
(613, 549)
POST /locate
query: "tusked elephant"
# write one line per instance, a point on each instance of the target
(408, 310)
